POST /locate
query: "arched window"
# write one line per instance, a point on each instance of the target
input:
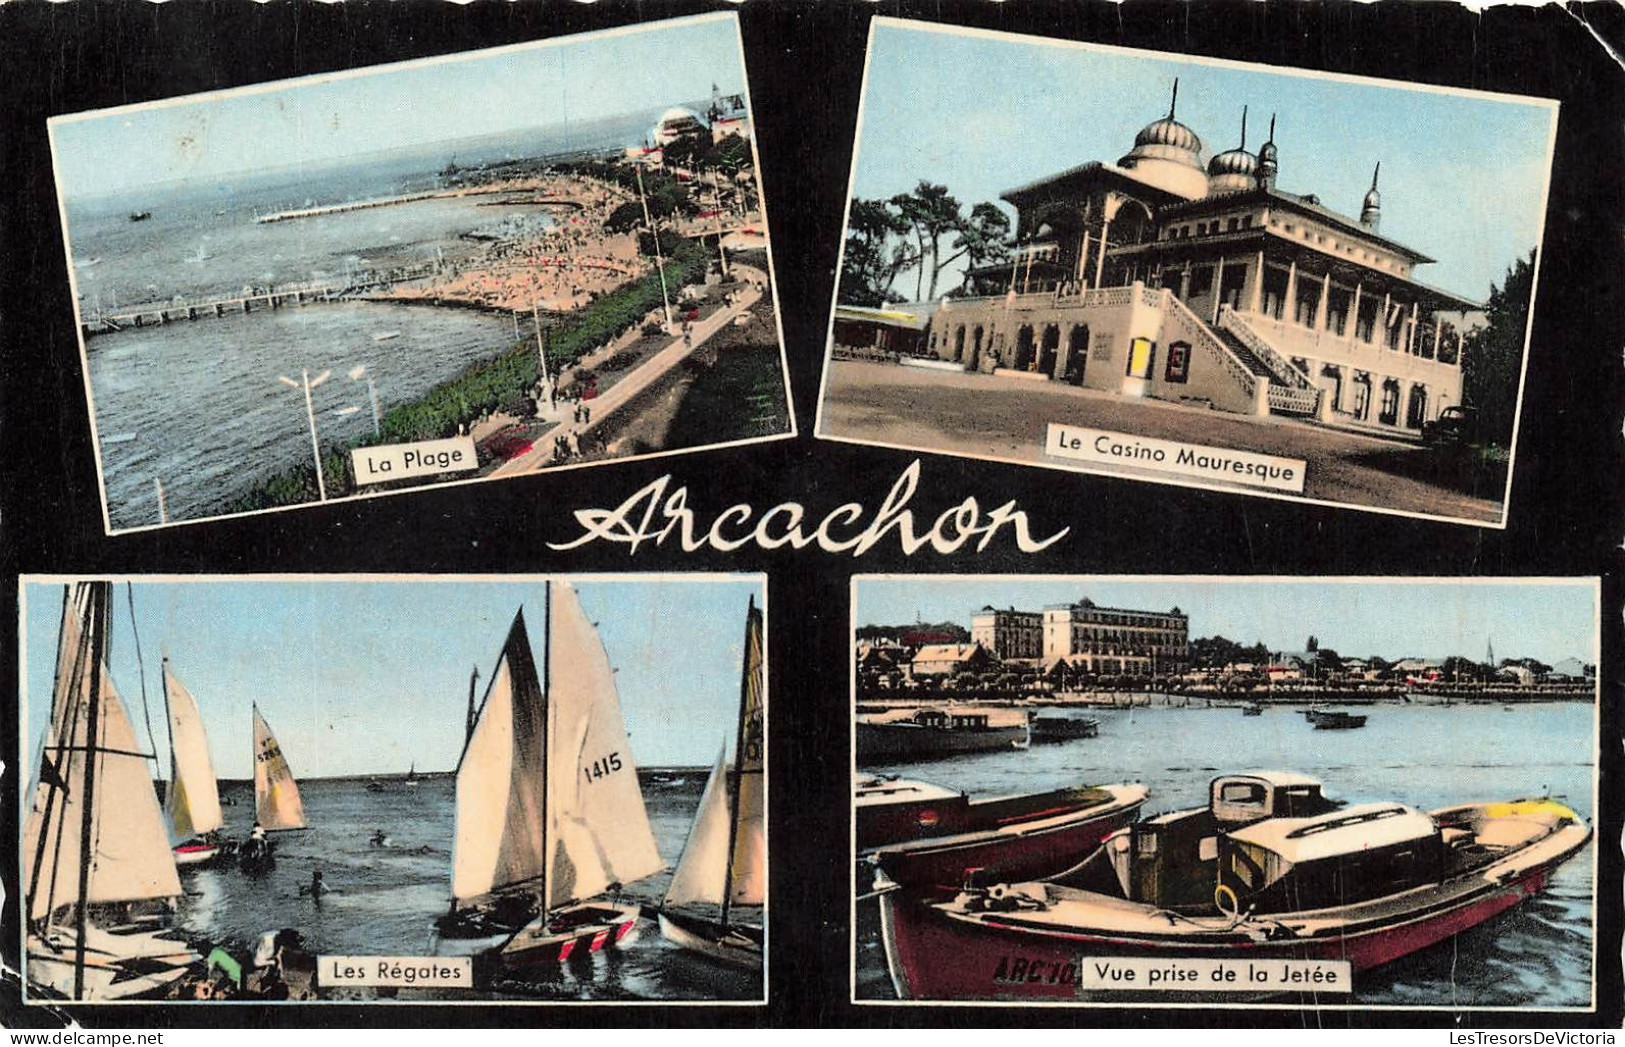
(1389, 414)
(1416, 412)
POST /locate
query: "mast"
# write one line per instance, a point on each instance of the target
(473, 716)
(737, 777)
(174, 766)
(141, 666)
(87, 824)
(547, 741)
(50, 798)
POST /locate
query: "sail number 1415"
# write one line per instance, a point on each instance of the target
(604, 767)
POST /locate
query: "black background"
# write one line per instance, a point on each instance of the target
(805, 64)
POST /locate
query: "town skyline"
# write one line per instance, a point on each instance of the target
(1549, 621)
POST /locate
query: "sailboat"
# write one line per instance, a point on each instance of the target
(724, 861)
(277, 806)
(412, 774)
(193, 799)
(550, 816)
(97, 869)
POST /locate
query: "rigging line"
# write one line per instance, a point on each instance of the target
(141, 667)
(80, 600)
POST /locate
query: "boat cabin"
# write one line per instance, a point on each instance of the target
(1273, 841)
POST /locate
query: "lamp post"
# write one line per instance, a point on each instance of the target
(358, 372)
(660, 258)
(310, 415)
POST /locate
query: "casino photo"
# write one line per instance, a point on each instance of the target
(1155, 276)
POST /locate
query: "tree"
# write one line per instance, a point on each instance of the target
(625, 218)
(931, 214)
(874, 257)
(1493, 357)
(1312, 644)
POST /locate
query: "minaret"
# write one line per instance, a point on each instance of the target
(1174, 101)
(1267, 164)
(1371, 210)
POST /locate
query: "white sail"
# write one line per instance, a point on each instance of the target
(501, 779)
(129, 848)
(748, 879)
(598, 829)
(702, 871)
(276, 795)
(194, 795)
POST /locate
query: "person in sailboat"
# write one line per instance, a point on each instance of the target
(379, 838)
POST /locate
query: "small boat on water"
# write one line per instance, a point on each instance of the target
(277, 804)
(192, 800)
(1252, 709)
(385, 336)
(550, 821)
(1333, 719)
(934, 732)
(926, 837)
(1063, 728)
(1270, 868)
(98, 874)
(724, 862)
(140, 216)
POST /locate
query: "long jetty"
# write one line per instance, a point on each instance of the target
(279, 296)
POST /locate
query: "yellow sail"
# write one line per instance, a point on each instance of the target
(276, 795)
(194, 795)
(129, 846)
(501, 779)
(749, 873)
(598, 828)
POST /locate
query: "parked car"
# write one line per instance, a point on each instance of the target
(1455, 425)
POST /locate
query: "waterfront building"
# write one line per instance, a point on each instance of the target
(676, 123)
(1165, 276)
(1117, 640)
(1009, 634)
(946, 659)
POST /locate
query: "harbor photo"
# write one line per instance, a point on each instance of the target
(488, 264)
(1188, 271)
(408, 788)
(1197, 791)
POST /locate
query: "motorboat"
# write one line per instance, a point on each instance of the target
(1333, 719)
(926, 837)
(1063, 728)
(1269, 868)
(931, 733)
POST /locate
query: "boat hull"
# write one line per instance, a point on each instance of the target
(1030, 849)
(723, 944)
(572, 932)
(118, 966)
(935, 955)
(880, 743)
(196, 854)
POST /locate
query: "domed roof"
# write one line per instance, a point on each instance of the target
(1233, 161)
(1169, 132)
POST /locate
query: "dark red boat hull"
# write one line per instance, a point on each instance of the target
(933, 956)
(936, 867)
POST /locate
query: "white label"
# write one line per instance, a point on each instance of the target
(436, 972)
(402, 461)
(1220, 464)
(1178, 974)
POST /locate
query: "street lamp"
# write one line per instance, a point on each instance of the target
(358, 372)
(310, 415)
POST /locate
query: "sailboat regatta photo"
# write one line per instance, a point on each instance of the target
(573, 834)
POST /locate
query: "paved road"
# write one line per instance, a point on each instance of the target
(1006, 419)
(649, 372)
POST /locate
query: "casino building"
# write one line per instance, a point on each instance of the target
(1164, 276)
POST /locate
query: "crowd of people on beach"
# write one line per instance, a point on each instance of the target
(560, 267)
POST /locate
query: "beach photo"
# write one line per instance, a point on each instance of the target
(406, 788)
(483, 265)
(1188, 271)
(1203, 791)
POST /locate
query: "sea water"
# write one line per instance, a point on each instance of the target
(383, 900)
(1540, 954)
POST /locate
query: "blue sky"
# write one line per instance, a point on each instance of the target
(367, 677)
(321, 120)
(1423, 619)
(1463, 176)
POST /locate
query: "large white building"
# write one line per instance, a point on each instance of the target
(1164, 276)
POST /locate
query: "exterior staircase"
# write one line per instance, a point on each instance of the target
(1246, 356)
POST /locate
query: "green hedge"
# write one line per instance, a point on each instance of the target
(494, 385)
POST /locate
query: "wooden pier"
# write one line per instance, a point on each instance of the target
(281, 296)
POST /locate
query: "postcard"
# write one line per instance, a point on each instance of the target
(405, 788)
(1197, 791)
(332, 287)
(1188, 271)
